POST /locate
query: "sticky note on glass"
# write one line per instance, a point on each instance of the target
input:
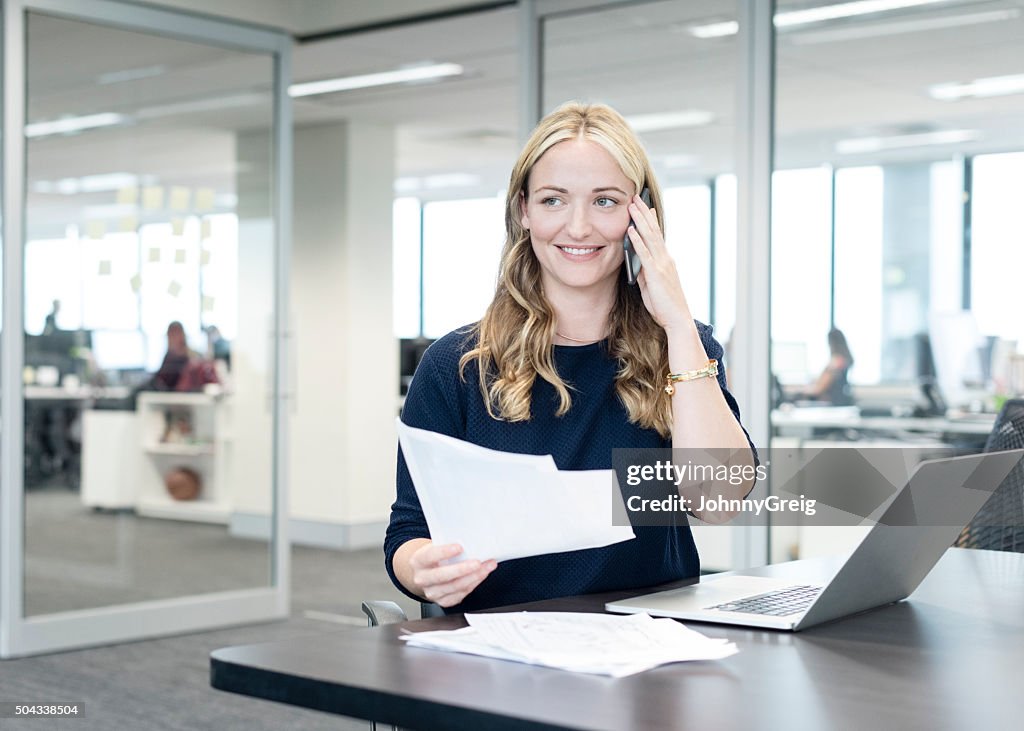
(205, 228)
(177, 226)
(95, 229)
(104, 268)
(204, 257)
(128, 224)
(207, 303)
(180, 197)
(204, 199)
(179, 256)
(153, 197)
(136, 283)
(174, 289)
(153, 255)
(128, 196)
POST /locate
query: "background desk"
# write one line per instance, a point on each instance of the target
(950, 658)
(808, 422)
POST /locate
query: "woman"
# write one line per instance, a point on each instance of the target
(832, 384)
(569, 360)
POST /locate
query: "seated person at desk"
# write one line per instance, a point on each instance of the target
(569, 360)
(832, 385)
(182, 369)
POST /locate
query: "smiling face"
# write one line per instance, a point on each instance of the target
(575, 208)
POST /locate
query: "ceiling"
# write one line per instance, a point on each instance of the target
(836, 80)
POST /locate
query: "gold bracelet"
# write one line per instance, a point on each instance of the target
(710, 370)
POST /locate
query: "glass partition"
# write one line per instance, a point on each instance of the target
(898, 138)
(150, 260)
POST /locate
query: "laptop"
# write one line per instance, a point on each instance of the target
(923, 519)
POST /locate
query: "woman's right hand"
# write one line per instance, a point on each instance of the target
(445, 584)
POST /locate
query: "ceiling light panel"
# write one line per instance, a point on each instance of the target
(383, 78)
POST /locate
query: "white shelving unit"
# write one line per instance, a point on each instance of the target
(184, 430)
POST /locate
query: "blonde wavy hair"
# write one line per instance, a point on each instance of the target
(515, 337)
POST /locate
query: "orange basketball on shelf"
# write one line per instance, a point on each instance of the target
(183, 483)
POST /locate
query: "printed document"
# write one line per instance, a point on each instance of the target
(603, 644)
(502, 505)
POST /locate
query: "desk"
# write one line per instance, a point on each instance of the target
(950, 658)
(806, 422)
(51, 413)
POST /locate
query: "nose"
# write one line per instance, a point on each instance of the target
(579, 226)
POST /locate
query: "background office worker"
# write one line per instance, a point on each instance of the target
(569, 360)
(833, 384)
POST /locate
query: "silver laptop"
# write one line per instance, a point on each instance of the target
(923, 519)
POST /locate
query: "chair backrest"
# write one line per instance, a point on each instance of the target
(999, 525)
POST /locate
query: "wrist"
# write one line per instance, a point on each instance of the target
(682, 324)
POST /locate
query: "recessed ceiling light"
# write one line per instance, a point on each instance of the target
(99, 183)
(678, 161)
(860, 145)
(117, 77)
(919, 25)
(383, 78)
(670, 120)
(68, 125)
(806, 16)
(990, 86)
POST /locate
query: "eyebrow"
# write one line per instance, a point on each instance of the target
(596, 190)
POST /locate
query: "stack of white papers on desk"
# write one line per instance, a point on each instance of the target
(503, 505)
(602, 644)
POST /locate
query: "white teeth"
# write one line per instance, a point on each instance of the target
(577, 252)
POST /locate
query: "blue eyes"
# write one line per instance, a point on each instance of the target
(602, 202)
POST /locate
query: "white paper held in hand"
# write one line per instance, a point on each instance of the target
(503, 505)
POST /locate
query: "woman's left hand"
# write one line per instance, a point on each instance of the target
(659, 283)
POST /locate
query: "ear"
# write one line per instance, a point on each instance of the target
(524, 219)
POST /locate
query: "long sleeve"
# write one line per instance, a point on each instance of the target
(432, 403)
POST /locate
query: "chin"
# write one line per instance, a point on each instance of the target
(585, 279)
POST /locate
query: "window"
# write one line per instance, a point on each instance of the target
(997, 244)
(802, 262)
(131, 286)
(688, 239)
(858, 265)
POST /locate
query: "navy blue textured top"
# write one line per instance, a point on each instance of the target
(441, 401)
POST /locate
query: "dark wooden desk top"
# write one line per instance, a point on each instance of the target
(950, 657)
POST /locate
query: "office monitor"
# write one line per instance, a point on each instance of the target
(410, 353)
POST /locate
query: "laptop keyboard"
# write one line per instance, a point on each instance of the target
(774, 603)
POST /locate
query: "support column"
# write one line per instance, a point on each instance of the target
(343, 440)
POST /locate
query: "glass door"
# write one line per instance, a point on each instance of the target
(146, 190)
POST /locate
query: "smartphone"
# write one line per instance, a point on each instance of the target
(632, 258)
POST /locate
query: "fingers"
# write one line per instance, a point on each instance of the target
(447, 583)
(450, 594)
(645, 232)
(644, 217)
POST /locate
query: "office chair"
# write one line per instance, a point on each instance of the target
(384, 612)
(999, 525)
